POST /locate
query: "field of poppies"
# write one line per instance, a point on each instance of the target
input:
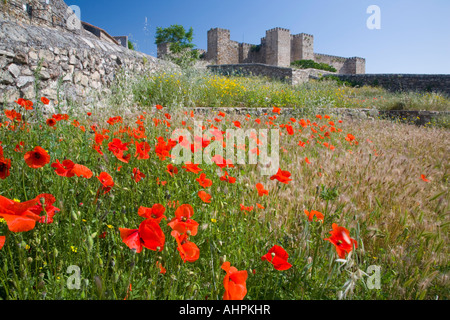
(96, 206)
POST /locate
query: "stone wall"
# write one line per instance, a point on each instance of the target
(402, 82)
(222, 50)
(289, 75)
(277, 48)
(56, 14)
(76, 66)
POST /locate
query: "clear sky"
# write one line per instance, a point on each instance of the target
(414, 36)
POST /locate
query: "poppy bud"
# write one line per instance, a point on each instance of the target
(41, 285)
(90, 243)
(98, 283)
(30, 260)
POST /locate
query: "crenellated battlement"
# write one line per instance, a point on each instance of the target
(278, 29)
(278, 48)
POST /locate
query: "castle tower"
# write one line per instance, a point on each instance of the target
(355, 65)
(302, 47)
(278, 47)
(221, 49)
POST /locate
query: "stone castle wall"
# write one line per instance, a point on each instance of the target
(277, 48)
(288, 75)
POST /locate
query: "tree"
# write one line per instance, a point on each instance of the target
(181, 47)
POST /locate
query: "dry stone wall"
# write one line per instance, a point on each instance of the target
(289, 75)
(402, 82)
(74, 66)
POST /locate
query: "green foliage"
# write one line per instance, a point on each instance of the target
(177, 36)
(181, 47)
(130, 45)
(255, 48)
(305, 64)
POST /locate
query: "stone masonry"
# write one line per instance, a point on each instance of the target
(69, 63)
(278, 48)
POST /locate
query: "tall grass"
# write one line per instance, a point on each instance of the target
(200, 88)
(373, 188)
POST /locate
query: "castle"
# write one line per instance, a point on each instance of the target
(278, 48)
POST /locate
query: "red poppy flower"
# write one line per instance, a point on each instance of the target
(260, 206)
(68, 169)
(171, 169)
(2, 241)
(45, 203)
(118, 148)
(18, 216)
(423, 177)
(5, 165)
(290, 130)
(51, 122)
(187, 249)
(142, 150)
(82, 171)
(244, 208)
(237, 124)
(113, 120)
(278, 257)
(64, 169)
(313, 213)
(37, 158)
(203, 181)
(131, 238)
(151, 235)
(13, 115)
(276, 110)
(234, 282)
(282, 176)
(159, 107)
(161, 268)
(106, 181)
(307, 160)
(45, 100)
(350, 138)
(261, 190)
(190, 167)
(183, 222)
(27, 104)
(221, 162)
(226, 177)
(163, 148)
(340, 237)
(156, 212)
(204, 196)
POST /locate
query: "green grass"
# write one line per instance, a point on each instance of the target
(372, 188)
(199, 88)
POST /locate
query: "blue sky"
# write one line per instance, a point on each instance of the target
(414, 35)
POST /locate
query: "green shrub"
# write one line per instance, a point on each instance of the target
(305, 64)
